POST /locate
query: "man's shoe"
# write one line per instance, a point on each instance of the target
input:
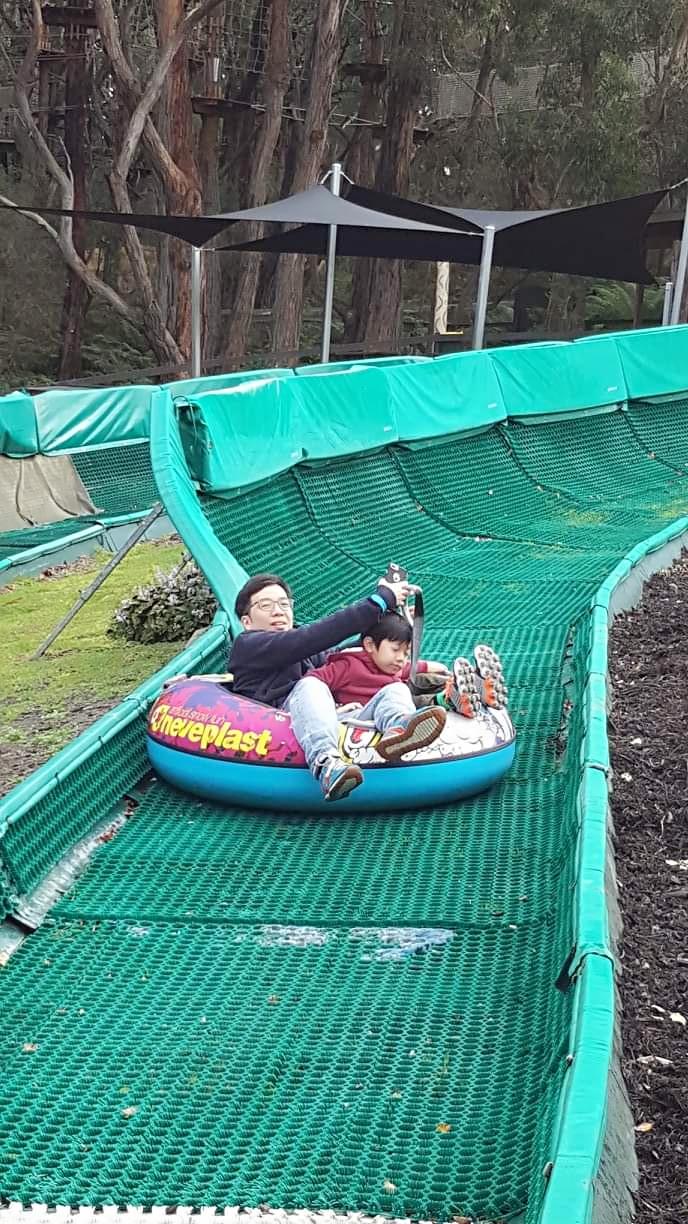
(491, 687)
(461, 691)
(420, 730)
(337, 779)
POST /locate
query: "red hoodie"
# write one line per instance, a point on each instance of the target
(351, 675)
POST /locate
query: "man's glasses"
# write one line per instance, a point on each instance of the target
(267, 605)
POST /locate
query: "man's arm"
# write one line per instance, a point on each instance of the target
(265, 650)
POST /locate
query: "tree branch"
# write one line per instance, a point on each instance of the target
(141, 104)
(93, 283)
(659, 97)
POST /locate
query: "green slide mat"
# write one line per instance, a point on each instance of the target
(383, 1013)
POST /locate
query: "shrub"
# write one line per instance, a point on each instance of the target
(169, 609)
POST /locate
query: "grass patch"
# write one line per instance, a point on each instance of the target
(45, 702)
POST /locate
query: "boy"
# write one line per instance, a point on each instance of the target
(379, 667)
(270, 661)
(359, 673)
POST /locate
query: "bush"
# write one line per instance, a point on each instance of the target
(169, 609)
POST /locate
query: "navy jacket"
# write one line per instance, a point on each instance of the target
(266, 664)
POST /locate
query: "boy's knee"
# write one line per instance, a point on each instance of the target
(399, 690)
(311, 684)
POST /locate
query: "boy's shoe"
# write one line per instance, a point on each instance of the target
(420, 730)
(337, 779)
(488, 665)
(461, 691)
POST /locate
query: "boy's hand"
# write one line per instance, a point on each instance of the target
(436, 669)
(401, 590)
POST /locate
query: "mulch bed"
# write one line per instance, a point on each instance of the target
(649, 741)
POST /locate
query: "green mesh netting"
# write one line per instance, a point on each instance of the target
(17, 542)
(119, 478)
(361, 1012)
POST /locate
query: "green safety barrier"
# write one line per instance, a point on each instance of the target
(407, 1014)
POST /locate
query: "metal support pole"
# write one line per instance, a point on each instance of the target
(84, 597)
(335, 187)
(680, 281)
(666, 308)
(195, 312)
(483, 287)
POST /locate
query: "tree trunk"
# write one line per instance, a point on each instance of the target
(383, 323)
(75, 301)
(361, 161)
(183, 196)
(288, 307)
(276, 82)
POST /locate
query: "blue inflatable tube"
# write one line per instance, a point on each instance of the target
(207, 740)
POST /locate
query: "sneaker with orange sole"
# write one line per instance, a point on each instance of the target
(461, 690)
(490, 678)
(420, 730)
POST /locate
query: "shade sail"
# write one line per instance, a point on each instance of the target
(602, 240)
(317, 206)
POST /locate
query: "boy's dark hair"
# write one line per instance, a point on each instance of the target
(255, 584)
(391, 627)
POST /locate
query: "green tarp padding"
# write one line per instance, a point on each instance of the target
(410, 402)
(69, 420)
(654, 360)
(333, 367)
(364, 408)
(18, 432)
(219, 382)
(74, 419)
(449, 395)
(322, 417)
(543, 379)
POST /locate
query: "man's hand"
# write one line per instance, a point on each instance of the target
(436, 669)
(401, 590)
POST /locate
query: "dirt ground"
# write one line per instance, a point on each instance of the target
(649, 671)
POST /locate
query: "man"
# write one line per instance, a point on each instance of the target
(270, 661)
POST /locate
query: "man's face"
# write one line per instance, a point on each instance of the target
(389, 657)
(269, 609)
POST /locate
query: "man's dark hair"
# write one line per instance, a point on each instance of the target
(255, 584)
(391, 627)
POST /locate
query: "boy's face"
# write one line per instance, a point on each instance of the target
(389, 657)
(270, 609)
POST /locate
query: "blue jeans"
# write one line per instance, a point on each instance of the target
(314, 715)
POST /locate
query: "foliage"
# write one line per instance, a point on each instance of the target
(613, 302)
(168, 609)
(577, 103)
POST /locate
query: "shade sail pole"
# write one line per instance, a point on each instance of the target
(680, 281)
(335, 187)
(195, 312)
(483, 287)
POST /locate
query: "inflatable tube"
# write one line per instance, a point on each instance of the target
(205, 739)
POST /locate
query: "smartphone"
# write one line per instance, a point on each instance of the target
(396, 573)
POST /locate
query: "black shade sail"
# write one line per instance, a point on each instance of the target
(317, 206)
(602, 240)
